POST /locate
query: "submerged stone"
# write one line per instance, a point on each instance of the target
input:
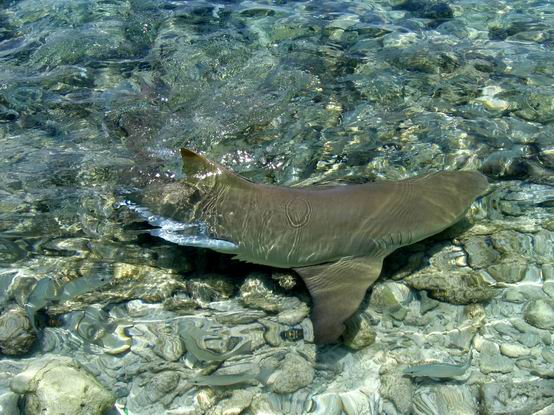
(444, 399)
(359, 332)
(9, 403)
(480, 252)
(58, 385)
(514, 350)
(389, 295)
(509, 272)
(294, 373)
(17, 335)
(396, 388)
(235, 404)
(516, 397)
(540, 314)
(492, 361)
(286, 280)
(455, 287)
(259, 292)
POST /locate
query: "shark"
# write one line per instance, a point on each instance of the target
(335, 237)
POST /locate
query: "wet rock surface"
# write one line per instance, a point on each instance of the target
(96, 98)
(58, 385)
(17, 335)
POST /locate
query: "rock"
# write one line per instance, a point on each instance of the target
(58, 385)
(529, 333)
(294, 313)
(258, 292)
(396, 388)
(548, 276)
(356, 402)
(206, 398)
(286, 280)
(427, 9)
(444, 399)
(516, 397)
(540, 314)
(94, 325)
(492, 361)
(548, 354)
(166, 343)
(493, 104)
(293, 374)
(359, 332)
(543, 243)
(160, 385)
(9, 403)
(327, 404)
(508, 271)
(536, 105)
(389, 295)
(455, 287)
(154, 392)
(210, 288)
(399, 40)
(16, 333)
(480, 252)
(514, 350)
(510, 242)
(235, 405)
(129, 281)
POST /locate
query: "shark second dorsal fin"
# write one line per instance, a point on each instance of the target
(337, 289)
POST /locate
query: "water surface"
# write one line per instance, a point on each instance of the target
(96, 98)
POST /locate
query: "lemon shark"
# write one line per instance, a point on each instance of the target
(334, 237)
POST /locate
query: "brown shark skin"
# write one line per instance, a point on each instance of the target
(335, 237)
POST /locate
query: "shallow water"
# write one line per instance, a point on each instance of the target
(96, 98)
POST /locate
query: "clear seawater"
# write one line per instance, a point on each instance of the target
(96, 98)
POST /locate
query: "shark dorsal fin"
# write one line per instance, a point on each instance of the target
(337, 289)
(201, 171)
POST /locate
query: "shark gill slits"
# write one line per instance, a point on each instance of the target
(298, 212)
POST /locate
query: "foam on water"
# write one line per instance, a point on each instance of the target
(176, 232)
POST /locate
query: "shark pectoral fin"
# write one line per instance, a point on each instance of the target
(337, 289)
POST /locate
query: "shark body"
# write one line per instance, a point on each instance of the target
(334, 237)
